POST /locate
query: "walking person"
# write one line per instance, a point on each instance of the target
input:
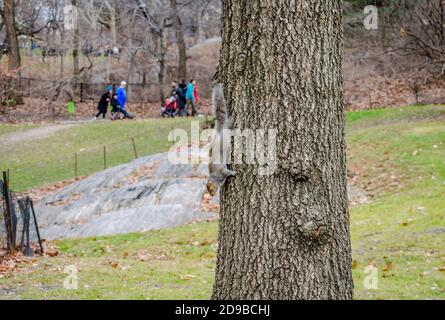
(190, 97)
(196, 96)
(122, 94)
(182, 101)
(104, 102)
(122, 99)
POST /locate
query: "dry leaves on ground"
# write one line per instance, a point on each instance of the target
(38, 194)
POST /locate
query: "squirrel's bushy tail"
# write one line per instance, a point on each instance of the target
(219, 106)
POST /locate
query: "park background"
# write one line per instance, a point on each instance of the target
(395, 131)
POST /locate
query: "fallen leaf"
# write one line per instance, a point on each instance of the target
(113, 264)
(354, 264)
(389, 265)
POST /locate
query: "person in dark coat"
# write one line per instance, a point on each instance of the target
(182, 102)
(104, 102)
(115, 108)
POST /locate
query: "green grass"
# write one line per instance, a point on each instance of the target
(401, 231)
(169, 264)
(7, 128)
(373, 117)
(37, 162)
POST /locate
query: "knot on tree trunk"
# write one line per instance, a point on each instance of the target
(311, 226)
(301, 170)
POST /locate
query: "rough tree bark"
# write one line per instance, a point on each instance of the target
(182, 49)
(286, 236)
(62, 51)
(76, 46)
(11, 35)
(161, 59)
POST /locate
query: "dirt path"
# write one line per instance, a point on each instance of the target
(33, 134)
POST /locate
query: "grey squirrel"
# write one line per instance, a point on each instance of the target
(219, 171)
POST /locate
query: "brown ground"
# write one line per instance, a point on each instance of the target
(37, 111)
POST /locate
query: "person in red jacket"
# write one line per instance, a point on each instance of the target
(195, 94)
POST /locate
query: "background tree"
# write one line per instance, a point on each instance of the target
(8, 17)
(286, 236)
(180, 41)
(76, 46)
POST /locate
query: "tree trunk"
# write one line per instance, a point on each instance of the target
(182, 49)
(199, 31)
(76, 46)
(11, 36)
(286, 236)
(62, 52)
(161, 74)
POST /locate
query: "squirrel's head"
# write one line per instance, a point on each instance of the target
(212, 188)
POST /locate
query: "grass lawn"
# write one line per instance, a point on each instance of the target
(399, 157)
(7, 128)
(402, 229)
(36, 162)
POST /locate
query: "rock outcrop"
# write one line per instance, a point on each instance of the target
(147, 194)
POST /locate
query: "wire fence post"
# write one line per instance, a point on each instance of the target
(75, 166)
(9, 215)
(105, 157)
(36, 225)
(134, 149)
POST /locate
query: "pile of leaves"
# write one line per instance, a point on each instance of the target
(11, 264)
(370, 92)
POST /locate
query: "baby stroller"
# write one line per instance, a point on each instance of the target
(170, 110)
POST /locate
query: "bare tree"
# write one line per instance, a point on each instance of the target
(8, 16)
(421, 28)
(156, 23)
(182, 49)
(76, 46)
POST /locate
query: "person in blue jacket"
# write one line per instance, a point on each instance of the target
(190, 97)
(122, 94)
(122, 99)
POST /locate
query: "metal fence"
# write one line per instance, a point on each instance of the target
(15, 229)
